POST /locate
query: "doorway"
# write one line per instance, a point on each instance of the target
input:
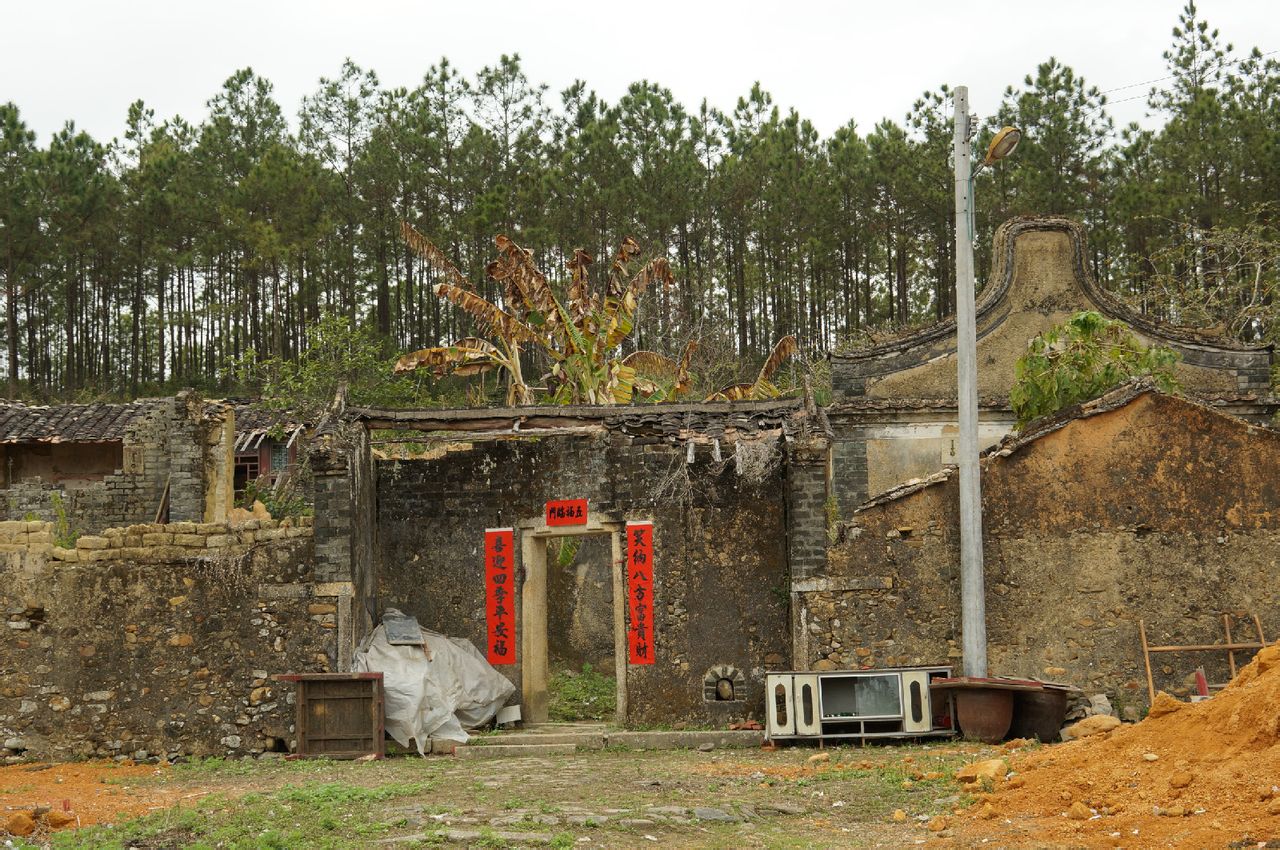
(535, 608)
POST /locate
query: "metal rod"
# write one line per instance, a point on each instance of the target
(1205, 647)
(1231, 656)
(972, 590)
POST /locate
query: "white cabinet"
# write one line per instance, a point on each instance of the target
(857, 704)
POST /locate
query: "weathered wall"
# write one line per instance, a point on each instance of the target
(1159, 510)
(178, 444)
(156, 651)
(720, 551)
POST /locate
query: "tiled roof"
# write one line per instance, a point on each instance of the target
(71, 423)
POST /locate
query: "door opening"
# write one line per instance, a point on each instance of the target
(572, 611)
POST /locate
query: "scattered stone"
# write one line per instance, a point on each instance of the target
(899, 816)
(1181, 779)
(1099, 704)
(1164, 704)
(992, 769)
(714, 815)
(1016, 782)
(59, 820)
(20, 824)
(782, 808)
(987, 811)
(706, 748)
(819, 758)
(1095, 725)
(937, 824)
(1079, 811)
(1273, 808)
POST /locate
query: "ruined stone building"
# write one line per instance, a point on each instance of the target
(783, 536)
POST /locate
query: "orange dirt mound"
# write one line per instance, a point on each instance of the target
(1190, 774)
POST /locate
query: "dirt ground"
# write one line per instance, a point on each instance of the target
(843, 797)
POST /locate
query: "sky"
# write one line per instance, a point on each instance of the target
(87, 61)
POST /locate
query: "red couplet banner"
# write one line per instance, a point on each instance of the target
(640, 592)
(567, 512)
(500, 602)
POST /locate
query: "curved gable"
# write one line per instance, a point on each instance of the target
(1039, 280)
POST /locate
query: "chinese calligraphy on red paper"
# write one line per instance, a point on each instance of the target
(640, 592)
(500, 606)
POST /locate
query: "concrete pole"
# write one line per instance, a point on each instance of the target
(973, 607)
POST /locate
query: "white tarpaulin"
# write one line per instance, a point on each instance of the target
(433, 691)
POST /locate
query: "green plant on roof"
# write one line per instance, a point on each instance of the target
(1080, 360)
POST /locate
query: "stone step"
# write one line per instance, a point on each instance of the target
(581, 740)
(466, 751)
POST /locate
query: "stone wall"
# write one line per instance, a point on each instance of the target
(178, 444)
(162, 649)
(720, 542)
(1158, 510)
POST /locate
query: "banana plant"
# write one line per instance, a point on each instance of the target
(762, 388)
(579, 336)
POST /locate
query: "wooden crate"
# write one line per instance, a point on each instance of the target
(339, 715)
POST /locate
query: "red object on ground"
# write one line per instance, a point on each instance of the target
(640, 592)
(500, 602)
(1202, 682)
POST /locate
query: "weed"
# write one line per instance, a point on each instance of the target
(582, 696)
(64, 536)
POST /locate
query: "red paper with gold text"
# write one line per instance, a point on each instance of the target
(500, 595)
(640, 592)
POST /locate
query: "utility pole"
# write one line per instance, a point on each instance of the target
(973, 606)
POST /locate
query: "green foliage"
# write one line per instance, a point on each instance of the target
(337, 353)
(153, 261)
(582, 696)
(64, 536)
(1082, 359)
(283, 503)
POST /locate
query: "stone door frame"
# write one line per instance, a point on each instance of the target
(534, 675)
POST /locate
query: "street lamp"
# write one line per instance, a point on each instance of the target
(973, 608)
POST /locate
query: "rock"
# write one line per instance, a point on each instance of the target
(782, 808)
(824, 664)
(1175, 812)
(937, 824)
(59, 820)
(59, 703)
(1016, 782)
(899, 816)
(987, 811)
(706, 748)
(1150, 757)
(1099, 704)
(1164, 704)
(1273, 808)
(714, 815)
(1181, 779)
(232, 741)
(1095, 725)
(20, 824)
(1079, 811)
(15, 744)
(257, 695)
(819, 758)
(992, 769)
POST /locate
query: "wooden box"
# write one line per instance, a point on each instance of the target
(339, 715)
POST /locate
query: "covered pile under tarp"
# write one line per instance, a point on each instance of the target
(432, 690)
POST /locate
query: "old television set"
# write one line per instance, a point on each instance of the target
(890, 702)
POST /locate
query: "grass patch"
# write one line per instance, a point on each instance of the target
(314, 814)
(582, 696)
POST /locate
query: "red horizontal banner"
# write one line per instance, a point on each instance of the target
(640, 592)
(567, 512)
(500, 595)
